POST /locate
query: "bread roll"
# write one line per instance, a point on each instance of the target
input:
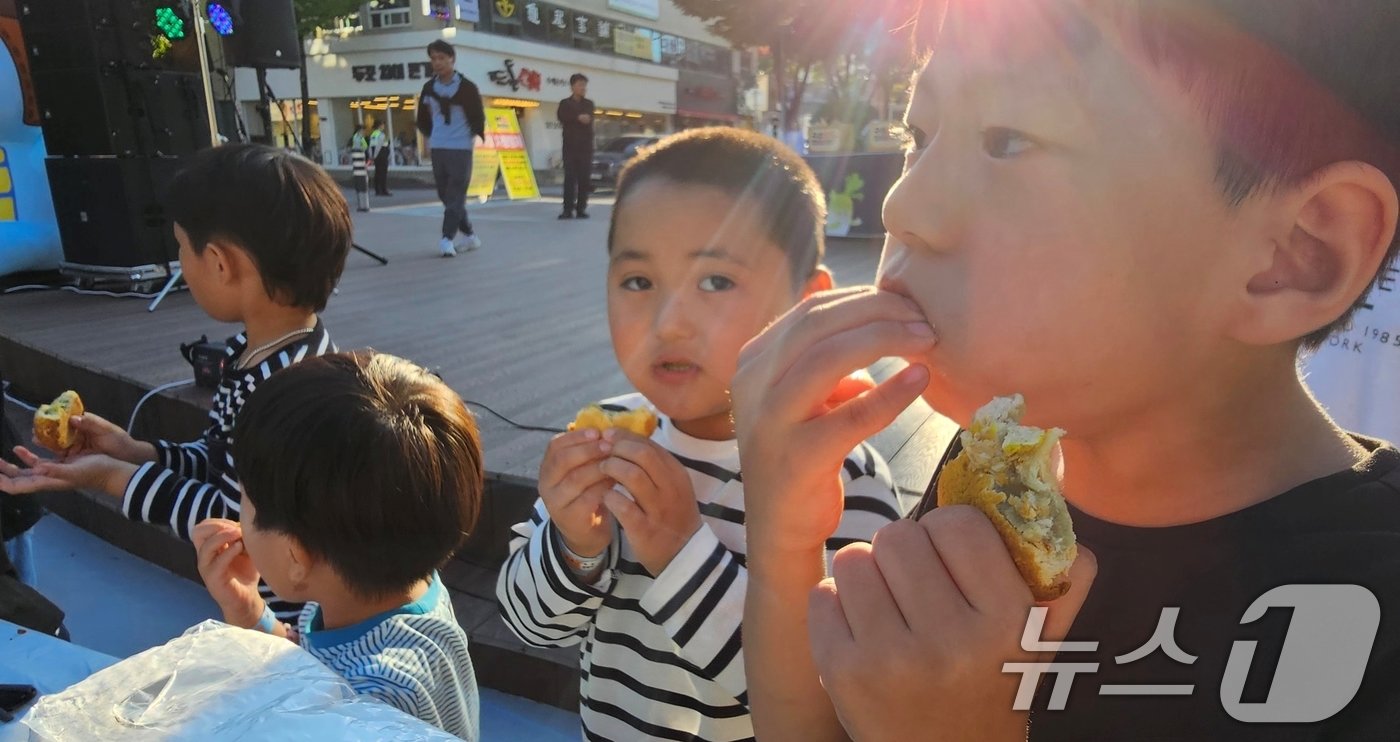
(640, 421)
(51, 427)
(1004, 470)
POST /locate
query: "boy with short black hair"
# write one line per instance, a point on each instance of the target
(263, 237)
(361, 475)
(715, 233)
(1134, 213)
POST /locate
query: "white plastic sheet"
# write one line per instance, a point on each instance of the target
(219, 683)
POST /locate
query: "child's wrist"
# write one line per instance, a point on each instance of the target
(267, 621)
(116, 478)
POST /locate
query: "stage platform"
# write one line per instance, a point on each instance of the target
(518, 326)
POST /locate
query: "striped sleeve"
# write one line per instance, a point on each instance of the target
(699, 600)
(161, 496)
(871, 500)
(540, 598)
(189, 460)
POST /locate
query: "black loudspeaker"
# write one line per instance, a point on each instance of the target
(110, 210)
(111, 110)
(264, 35)
(63, 34)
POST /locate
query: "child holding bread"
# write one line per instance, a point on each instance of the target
(635, 550)
(263, 237)
(361, 475)
(1134, 214)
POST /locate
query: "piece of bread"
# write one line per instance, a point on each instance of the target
(51, 428)
(1005, 471)
(640, 421)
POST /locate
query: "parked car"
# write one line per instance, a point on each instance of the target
(608, 161)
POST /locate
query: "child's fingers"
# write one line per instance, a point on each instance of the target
(575, 484)
(820, 368)
(635, 479)
(628, 515)
(213, 545)
(28, 457)
(212, 526)
(641, 451)
(875, 410)
(853, 315)
(222, 563)
(771, 335)
(568, 451)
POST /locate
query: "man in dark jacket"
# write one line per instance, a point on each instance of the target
(451, 116)
(576, 116)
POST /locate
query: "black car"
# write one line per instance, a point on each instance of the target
(608, 160)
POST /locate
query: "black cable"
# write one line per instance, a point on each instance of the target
(512, 423)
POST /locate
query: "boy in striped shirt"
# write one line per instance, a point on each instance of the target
(716, 232)
(361, 475)
(263, 237)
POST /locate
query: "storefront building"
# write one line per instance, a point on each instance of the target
(521, 54)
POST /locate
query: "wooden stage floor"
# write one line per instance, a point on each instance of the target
(518, 326)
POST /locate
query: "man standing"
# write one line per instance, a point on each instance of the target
(379, 152)
(576, 115)
(451, 116)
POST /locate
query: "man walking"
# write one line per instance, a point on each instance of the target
(576, 116)
(451, 116)
(379, 152)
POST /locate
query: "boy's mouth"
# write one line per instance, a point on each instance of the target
(675, 369)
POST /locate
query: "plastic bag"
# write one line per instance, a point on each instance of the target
(221, 683)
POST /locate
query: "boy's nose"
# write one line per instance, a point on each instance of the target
(675, 319)
(926, 209)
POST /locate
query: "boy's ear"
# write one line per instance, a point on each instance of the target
(1336, 229)
(225, 261)
(300, 562)
(821, 280)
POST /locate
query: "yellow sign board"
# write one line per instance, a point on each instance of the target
(633, 43)
(503, 152)
(486, 163)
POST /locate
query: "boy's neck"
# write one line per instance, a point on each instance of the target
(268, 324)
(341, 608)
(1199, 457)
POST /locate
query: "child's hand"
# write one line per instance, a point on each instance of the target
(99, 435)
(911, 634)
(791, 447)
(93, 472)
(228, 572)
(572, 487)
(664, 514)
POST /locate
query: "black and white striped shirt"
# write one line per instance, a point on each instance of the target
(662, 656)
(190, 482)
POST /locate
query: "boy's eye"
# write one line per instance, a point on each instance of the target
(715, 283)
(1002, 143)
(635, 283)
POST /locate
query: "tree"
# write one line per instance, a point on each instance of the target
(803, 36)
(313, 15)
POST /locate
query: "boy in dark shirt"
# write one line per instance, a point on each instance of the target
(1134, 213)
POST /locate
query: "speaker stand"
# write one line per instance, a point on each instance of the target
(169, 286)
(382, 260)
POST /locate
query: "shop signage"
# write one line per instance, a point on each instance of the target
(633, 43)
(643, 8)
(391, 72)
(524, 78)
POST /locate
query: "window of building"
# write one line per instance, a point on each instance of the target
(390, 13)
